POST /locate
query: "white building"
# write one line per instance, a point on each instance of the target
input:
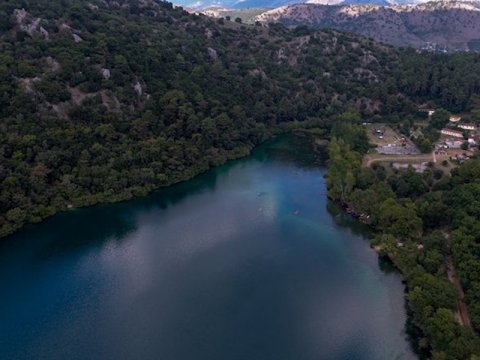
(455, 144)
(450, 132)
(467, 126)
(455, 118)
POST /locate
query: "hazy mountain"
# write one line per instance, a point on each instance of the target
(244, 4)
(453, 25)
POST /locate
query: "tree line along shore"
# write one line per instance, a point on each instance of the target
(429, 227)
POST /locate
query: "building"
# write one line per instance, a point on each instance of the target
(467, 126)
(455, 144)
(455, 118)
(431, 112)
(450, 132)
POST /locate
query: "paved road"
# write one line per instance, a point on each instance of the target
(371, 159)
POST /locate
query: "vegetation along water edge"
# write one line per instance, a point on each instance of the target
(429, 229)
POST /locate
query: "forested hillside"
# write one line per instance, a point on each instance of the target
(105, 100)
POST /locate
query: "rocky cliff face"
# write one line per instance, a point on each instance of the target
(442, 25)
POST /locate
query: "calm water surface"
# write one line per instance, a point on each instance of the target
(248, 261)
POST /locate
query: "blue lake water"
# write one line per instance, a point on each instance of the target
(248, 261)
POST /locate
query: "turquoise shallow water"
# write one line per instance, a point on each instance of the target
(248, 261)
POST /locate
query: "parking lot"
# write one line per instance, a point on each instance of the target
(389, 142)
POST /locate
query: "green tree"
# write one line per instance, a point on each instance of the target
(440, 118)
(399, 220)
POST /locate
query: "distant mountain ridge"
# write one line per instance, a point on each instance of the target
(270, 4)
(449, 25)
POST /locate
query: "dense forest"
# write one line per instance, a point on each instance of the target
(427, 224)
(105, 100)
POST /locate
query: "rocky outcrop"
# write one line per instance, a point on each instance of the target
(29, 24)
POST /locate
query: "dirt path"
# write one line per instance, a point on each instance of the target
(461, 314)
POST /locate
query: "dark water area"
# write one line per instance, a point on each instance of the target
(248, 261)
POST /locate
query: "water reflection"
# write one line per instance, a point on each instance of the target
(248, 261)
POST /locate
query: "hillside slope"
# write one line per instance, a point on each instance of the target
(105, 100)
(449, 24)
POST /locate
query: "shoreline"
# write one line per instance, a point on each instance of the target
(413, 332)
(433, 291)
(319, 146)
(132, 193)
(146, 223)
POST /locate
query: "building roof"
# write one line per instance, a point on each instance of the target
(451, 131)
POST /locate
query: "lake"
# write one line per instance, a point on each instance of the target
(247, 261)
